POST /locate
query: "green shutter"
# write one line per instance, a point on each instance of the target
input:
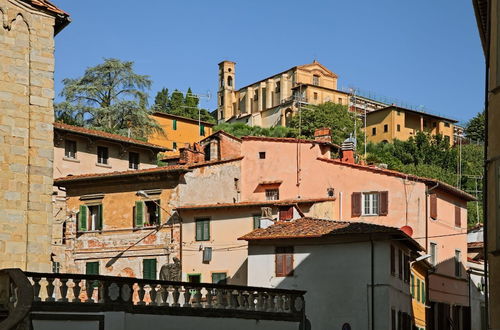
(199, 230)
(418, 290)
(149, 269)
(82, 218)
(256, 221)
(174, 124)
(412, 285)
(206, 230)
(202, 130)
(92, 268)
(99, 217)
(139, 214)
(219, 278)
(203, 229)
(423, 292)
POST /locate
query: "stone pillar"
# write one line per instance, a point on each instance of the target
(248, 100)
(269, 94)
(284, 88)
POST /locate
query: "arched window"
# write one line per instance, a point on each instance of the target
(230, 81)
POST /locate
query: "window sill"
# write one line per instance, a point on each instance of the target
(79, 232)
(74, 160)
(103, 165)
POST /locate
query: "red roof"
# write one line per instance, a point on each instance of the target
(475, 245)
(97, 176)
(287, 140)
(221, 132)
(215, 162)
(62, 17)
(444, 186)
(254, 203)
(106, 135)
(191, 120)
(315, 228)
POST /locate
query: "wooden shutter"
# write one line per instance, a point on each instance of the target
(92, 268)
(199, 230)
(206, 229)
(423, 292)
(433, 206)
(288, 264)
(284, 261)
(280, 262)
(356, 204)
(286, 213)
(139, 214)
(99, 217)
(384, 203)
(393, 260)
(149, 269)
(82, 218)
(458, 216)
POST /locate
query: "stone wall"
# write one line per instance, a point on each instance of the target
(26, 149)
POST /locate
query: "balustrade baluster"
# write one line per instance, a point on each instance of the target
(279, 303)
(230, 301)
(50, 289)
(164, 295)
(251, 301)
(102, 291)
(270, 302)
(89, 288)
(141, 293)
(175, 296)
(36, 288)
(63, 289)
(152, 295)
(187, 297)
(209, 297)
(197, 297)
(240, 299)
(260, 302)
(286, 304)
(219, 298)
(76, 290)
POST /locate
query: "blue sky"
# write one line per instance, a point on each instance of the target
(425, 53)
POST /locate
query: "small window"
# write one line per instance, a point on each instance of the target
(458, 216)
(340, 101)
(386, 128)
(262, 155)
(56, 267)
(206, 151)
(315, 80)
(277, 87)
(202, 130)
(446, 124)
(174, 124)
(458, 263)
(203, 229)
(256, 221)
(221, 97)
(230, 81)
(393, 260)
(207, 255)
(433, 252)
(256, 95)
(152, 216)
(371, 203)
(70, 149)
(133, 160)
(102, 155)
(374, 131)
(194, 278)
(400, 264)
(393, 319)
(398, 113)
(92, 268)
(272, 194)
(219, 278)
(315, 95)
(286, 213)
(398, 127)
(174, 145)
(284, 261)
(149, 269)
(330, 192)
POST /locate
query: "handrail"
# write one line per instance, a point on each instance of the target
(19, 294)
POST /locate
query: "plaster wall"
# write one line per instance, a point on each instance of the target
(337, 280)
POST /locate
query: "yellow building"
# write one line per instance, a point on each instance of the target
(274, 100)
(179, 131)
(393, 122)
(418, 287)
(488, 21)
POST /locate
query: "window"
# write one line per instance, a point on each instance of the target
(433, 252)
(149, 269)
(174, 145)
(206, 151)
(230, 81)
(393, 319)
(412, 286)
(446, 124)
(92, 268)
(262, 155)
(330, 192)
(406, 268)
(56, 267)
(272, 194)
(221, 97)
(340, 101)
(433, 206)
(418, 290)
(147, 213)
(102, 155)
(70, 149)
(398, 113)
(256, 95)
(370, 203)
(400, 264)
(219, 278)
(174, 124)
(458, 216)
(386, 128)
(90, 217)
(203, 229)
(256, 221)
(374, 131)
(202, 130)
(284, 261)
(458, 263)
(315, 95)
(277, 87)
(393, 260)
(315, 80)
(133, 160)
(286, 213)
(398, 127)
(194, 278)
(207, 255)
(422, 294)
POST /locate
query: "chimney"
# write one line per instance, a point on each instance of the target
(189, 155)
(347, 152)
(323, 134)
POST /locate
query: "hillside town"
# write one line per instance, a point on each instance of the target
(291, 205)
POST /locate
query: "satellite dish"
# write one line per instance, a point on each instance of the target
(407, 230)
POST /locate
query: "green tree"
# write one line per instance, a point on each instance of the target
(110, 97)
(474, 129)
(329, 114)
(161, 100)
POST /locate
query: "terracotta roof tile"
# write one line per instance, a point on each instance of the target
(442, 185)
(215, 162)
(97, 176)
(47, 5)
(191, 120)
(314, 228)
(475, 245)
(106, 135)
(254, 203)
(287, 140)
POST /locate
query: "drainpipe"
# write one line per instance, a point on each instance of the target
(373, 284)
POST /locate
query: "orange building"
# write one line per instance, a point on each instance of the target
(179, 131)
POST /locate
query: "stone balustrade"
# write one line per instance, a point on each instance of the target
(79, 289)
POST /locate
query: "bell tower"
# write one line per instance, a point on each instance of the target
(226, 91)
